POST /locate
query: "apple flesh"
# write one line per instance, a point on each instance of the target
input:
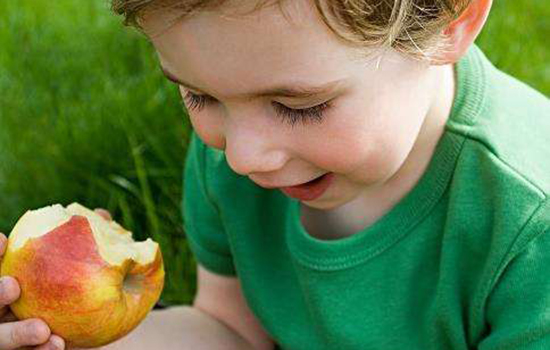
(83, 275)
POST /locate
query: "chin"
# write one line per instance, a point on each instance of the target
(338, 195)
(327, 202)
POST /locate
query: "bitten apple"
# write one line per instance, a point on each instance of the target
(82, 274)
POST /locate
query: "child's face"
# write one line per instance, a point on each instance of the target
(364, 137)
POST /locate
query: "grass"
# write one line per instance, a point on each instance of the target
(86, 115)
(515, 39)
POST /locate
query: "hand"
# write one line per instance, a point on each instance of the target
(28, 334)
(104, 213)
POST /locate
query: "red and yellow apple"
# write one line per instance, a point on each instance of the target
(83, 275)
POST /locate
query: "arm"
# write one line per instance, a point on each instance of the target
(218, 319)
(518, 309)
(219, 314)
(182, 328)
(222, 298)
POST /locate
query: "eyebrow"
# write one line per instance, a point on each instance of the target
(281, 91)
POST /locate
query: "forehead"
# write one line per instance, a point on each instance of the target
(226, 50)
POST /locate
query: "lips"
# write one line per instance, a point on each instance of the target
(269, 186)
(317, 179)
(310, 190)
(310, 182)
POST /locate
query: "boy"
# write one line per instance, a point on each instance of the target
(345, 196)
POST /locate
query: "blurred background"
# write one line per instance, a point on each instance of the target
(86, 115)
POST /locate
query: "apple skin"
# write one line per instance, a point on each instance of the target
(82, 298)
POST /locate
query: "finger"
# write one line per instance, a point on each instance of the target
(23, 333)
(105, 213)
(3, 243)
(9, 292)
(54, 343)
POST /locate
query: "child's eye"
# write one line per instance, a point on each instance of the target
(196, 102)
(292, 116)
(305, 115)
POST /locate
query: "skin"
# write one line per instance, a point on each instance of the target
(378, 136)
(225, 57)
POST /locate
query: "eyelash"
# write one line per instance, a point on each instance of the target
(313, 114)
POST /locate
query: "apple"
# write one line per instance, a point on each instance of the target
(82, 274)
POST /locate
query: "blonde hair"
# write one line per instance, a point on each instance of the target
(412, 27)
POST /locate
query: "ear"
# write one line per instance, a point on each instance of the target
(464, 30)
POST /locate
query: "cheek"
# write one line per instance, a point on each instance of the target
(209, 128)
(363, 159)
(366, 147)
(207, 125)
(373, 164)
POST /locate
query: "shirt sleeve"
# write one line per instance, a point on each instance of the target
(518, 309)
(201, 220)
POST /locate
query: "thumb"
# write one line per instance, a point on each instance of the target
(104, 213)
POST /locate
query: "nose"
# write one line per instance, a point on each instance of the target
(254, 149)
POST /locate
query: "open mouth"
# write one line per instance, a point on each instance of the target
(310, 190)
(313, 182)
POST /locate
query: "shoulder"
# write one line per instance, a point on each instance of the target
(511, 122)
(498, 195)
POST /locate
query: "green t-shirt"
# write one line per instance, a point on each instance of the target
(461, 262)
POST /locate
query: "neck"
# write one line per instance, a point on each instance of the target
(431, 131)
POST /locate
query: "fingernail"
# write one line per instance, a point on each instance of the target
(36, 330)
(4, 291)
(4, 283)
(8, 289)
(57, 342)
